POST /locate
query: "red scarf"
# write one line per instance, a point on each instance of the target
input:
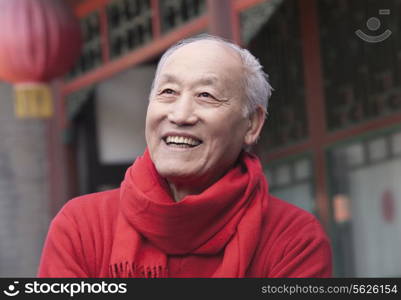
(151, 225)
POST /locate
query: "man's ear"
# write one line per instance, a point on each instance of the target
(256, 120)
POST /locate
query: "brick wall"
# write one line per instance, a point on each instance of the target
(24, 196)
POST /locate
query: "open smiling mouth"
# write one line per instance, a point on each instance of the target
(181, 141)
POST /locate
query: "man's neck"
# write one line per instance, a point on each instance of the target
(179, 192)
(180, 189)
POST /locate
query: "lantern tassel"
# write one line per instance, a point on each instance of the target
(33, 100)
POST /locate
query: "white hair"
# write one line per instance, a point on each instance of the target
(256, 82)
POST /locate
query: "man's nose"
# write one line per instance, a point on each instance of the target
(182, 112)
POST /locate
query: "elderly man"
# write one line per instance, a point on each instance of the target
(196, 204)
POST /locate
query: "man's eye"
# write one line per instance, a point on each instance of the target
(205, 94)
(167, 91)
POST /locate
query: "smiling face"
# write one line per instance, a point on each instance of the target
(195, 124)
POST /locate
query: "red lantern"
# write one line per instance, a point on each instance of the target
(39, 41)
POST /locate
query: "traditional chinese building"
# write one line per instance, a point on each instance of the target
(331, 143)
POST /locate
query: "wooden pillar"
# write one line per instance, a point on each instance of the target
(220, 15)
(315, 101)
(55, 155)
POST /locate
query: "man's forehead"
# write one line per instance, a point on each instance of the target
(211, 57)
(206, 49)
(208, 79)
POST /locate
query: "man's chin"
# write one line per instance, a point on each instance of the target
(176, 174)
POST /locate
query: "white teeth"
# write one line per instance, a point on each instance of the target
(182, 140)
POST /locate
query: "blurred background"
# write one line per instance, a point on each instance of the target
(331, 143)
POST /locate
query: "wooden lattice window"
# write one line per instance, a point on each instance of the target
(174, 13)
(277, 44)
(361, 78)
(130, 25)
(91, 55)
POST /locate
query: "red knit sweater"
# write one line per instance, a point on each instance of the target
(80, 240)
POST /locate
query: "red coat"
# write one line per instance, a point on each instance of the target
(233, 229)
(80, 240)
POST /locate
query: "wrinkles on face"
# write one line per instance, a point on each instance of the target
(206, 84)
(198, 94)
